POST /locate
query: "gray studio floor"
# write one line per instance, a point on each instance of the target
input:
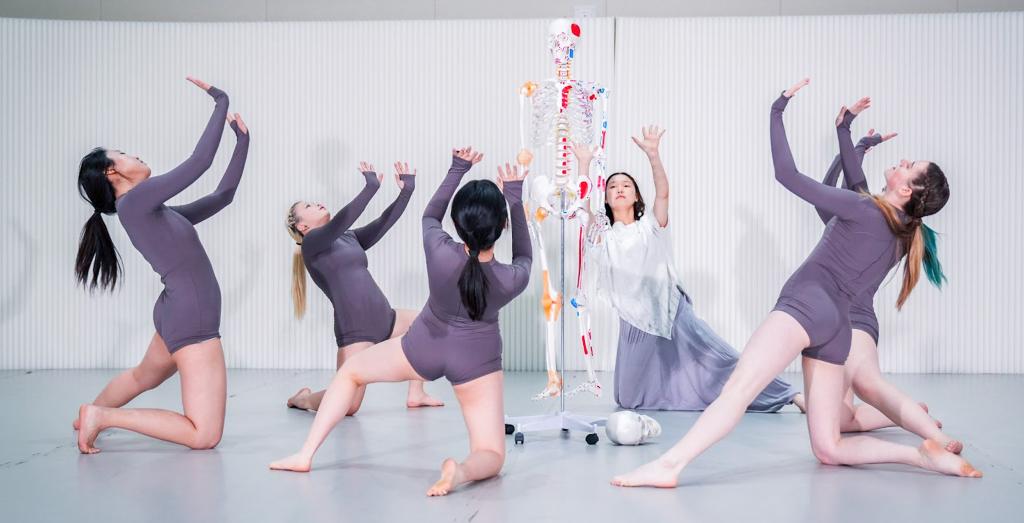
(377, 466)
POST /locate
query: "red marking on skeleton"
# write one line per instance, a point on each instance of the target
(584, 189)
(604, 134)
(593, 97)
(575, 30)
(565, 96)
(586, 350)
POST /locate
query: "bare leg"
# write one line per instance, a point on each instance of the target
(203, 396)
(417, 396)
(156, 366)
(483, 411)
(773, 345)
(384, 362)
(891, 402)
(825, 386)
(308, 400)
(858, 418)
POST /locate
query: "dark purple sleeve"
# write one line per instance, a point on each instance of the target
(153, 192)
(839, 202)
(321, 238)
(211, 204)
(832, 175)
(852, 169)
(433, 233)
(371, 233)
(522, 249)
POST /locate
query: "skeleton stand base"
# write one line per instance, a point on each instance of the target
(564, 420)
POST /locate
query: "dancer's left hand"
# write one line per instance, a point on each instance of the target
(400, 169)
(651, 139)
(201, 84)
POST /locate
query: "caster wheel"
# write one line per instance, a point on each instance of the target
(509, 429)
(592, 439)
(519, 438)
(565, 430)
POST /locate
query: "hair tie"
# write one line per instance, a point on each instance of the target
(474, 252)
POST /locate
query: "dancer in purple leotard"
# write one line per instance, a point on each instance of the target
(869, 235)
(335, 255)
(187, 313)
(457, 334)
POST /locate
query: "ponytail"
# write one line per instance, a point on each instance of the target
(473, 287)
(298, 265)
(929, 196)
(98, 263)
(932, 266)
(298, 283)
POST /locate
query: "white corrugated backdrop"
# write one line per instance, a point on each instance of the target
(321, 96)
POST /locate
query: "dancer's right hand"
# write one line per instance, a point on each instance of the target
(796, 87)
(468, 154)
(237, 120)
(510, 174)
(365, 167)
(201, 84)
(872, 135)
(584, 153)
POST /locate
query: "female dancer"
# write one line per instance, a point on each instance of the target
(668, 358)
(336, 259)
(885, 405)
(869, 235)
(187, 313)
(456, 335)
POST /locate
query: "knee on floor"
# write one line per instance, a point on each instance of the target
(206, 439)
(827, 452)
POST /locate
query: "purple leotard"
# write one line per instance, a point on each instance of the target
(854, 254)
(443, 340)
(862, 309)
(335, 257)
(188, 310)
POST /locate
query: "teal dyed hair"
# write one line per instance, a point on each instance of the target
(932, 266)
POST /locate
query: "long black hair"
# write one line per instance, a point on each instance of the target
(480, 215)
(97, 263)
(639, 207)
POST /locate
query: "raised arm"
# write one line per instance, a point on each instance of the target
(462, 161)
(649, 144)
(830, 199)
(832, 176)
(854, 172)
(371, 233)
(158, 189)
(321, 238)
(511, 181)
(211, 204)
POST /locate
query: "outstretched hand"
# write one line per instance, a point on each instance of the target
(882, 138)
(796, 87)
(468, 154)
(365, 167)
(237, 120)
(651, 139)
(584, 153)
(199, 83)
(510, 174)
(402, 168)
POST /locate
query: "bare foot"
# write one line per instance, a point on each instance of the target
(449, 469)
(422, 400)
(800, 402)
(654, 474)
(294, 463)
(936, 458)
(88, 428)
(938, 424)
(300, 400)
